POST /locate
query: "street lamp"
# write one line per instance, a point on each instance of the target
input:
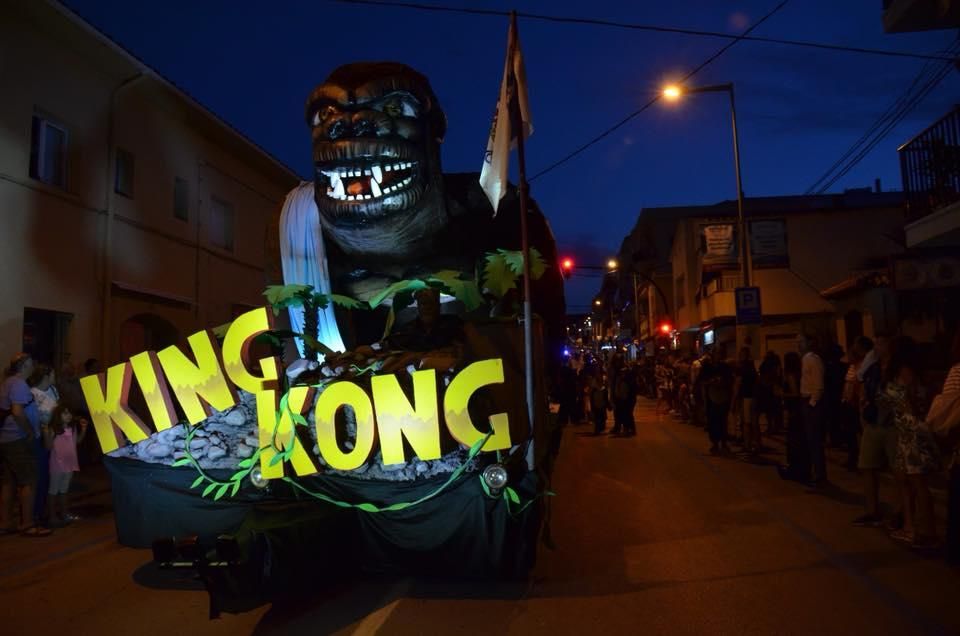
(673, 93)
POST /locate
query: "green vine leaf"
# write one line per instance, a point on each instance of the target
(367, 507)
(298, 419)
(220, 492)
(514, 259)
(197, 482)
(276, 459)
(346, 302)
(410, 285)
(236, 489)
(466, 291)
(286, 295)
(208, 489)
(240, 474)
(388, 326)
(247, 463)
(498, 278)
(183, 461)
(512, 495)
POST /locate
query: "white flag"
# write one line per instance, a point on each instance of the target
(496, 161)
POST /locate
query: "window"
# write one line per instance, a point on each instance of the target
(123, 179)
(181, 199)
(221, 224)
(48, 152)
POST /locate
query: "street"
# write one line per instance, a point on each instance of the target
(651, 533)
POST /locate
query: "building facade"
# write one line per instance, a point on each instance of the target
(133, 216)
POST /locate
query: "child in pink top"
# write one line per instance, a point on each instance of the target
(61, 438)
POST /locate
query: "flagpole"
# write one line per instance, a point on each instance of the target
(525, 250)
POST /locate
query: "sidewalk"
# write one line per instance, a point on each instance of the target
(840, 475)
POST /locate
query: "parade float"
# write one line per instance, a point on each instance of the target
(385, 426)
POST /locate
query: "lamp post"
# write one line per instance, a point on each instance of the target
(674, 93)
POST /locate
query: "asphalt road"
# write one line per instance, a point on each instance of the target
(652, 535)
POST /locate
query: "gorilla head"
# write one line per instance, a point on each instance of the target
(377, 129)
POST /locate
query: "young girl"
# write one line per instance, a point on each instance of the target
(61, 438)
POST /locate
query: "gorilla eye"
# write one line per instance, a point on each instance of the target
(400, 106)
(323, 113)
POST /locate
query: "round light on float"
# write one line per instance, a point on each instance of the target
(257, 479)
(495, 477)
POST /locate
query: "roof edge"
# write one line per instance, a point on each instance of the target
(78, 21)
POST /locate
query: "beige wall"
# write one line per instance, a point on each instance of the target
(824, 249)
(53, 244)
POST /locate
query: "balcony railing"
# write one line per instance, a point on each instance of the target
(930, 166)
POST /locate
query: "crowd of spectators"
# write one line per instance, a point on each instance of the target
(875, 403)
(42, 423)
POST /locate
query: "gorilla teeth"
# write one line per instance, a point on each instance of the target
(337, 188)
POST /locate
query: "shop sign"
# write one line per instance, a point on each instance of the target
(768, 243)
(718, 245)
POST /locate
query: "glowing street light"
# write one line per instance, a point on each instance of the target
(598, 302)
(672, 92)
(612, 264)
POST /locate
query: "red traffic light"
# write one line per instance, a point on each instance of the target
(566, 267)
(665, 328)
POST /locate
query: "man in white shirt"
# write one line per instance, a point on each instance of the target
(811, 389)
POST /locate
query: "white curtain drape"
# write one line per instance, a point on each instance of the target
(304, 260)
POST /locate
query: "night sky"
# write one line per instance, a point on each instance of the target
(799, 109)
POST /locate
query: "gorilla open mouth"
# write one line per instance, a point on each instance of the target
(368, 186)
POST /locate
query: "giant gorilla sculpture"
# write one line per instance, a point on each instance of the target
(387, 210)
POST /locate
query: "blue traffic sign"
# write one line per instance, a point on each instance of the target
(748, 306)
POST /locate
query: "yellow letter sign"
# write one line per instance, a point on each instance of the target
(397, 418)
(107, 401)
(268, 419)
(236, 346)
(333, 397)
(457, 397)
(205, 379)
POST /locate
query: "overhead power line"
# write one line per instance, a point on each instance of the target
(652, 101)
(925, 81)
(864, 138)
(641, 27)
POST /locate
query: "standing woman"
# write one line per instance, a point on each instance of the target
(798, 455)
(46, 398)
(917, 455)
(19, 430)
